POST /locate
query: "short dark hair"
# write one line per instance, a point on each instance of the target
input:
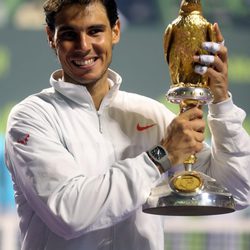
(53, 7)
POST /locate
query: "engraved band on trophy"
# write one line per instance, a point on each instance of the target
(188, 192)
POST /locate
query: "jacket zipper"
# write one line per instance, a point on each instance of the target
(99, 123)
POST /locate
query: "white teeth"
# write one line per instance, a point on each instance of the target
(83, 63)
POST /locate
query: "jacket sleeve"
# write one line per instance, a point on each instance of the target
(228, 161)
(68, 202)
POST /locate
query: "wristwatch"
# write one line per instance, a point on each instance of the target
(159, 156)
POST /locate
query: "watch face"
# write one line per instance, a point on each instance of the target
(158, 152)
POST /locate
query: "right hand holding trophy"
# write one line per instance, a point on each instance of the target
(197, 58)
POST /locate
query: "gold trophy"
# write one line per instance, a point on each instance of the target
(188, 192)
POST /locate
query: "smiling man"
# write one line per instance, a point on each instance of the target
(83, 39)
(84, 155)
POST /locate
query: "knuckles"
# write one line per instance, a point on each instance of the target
(186, 134)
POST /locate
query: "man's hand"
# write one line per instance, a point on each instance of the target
(215, 66)
(185, 136)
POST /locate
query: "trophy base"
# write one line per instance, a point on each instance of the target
(196, 194)
(178, 94)
(188, 210)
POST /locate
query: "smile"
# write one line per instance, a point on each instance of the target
(84, 62)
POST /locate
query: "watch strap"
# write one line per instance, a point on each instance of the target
(163, 162)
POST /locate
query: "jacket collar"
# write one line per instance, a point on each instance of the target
(79, 93)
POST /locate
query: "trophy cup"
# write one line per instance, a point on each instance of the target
(189, 192)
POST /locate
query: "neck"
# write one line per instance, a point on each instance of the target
(188, 6)
(97, 89)
(98, 92)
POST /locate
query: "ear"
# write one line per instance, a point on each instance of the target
(116, 32)
(50, 37)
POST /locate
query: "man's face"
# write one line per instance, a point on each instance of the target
(83, 41)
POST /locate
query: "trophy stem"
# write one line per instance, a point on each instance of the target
(188, 166)
(184, 106)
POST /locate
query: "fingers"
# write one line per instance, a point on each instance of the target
(215, 66)
(216, 49)
(217, 62)
(218, 34)
(199, 69)
(206, 60)
(185, 135)
(217, 58)
(193, 131)
(192, 114)
(193, 136)
(209, 61)
(211, 47)
(193, 126)
(194, 143)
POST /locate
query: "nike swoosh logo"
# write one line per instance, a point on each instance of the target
(143, 128)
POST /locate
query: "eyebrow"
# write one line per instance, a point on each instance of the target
(69, 27)
(65, 28)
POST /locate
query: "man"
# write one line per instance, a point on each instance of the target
(77, 151)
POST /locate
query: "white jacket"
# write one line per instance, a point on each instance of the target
(81, 176)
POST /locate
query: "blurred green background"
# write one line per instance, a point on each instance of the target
(26, 63)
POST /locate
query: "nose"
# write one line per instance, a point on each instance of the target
(84, 42)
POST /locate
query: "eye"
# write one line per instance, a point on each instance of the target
(95, 31)
(68, 35)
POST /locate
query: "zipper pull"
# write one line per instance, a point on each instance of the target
(99, 122)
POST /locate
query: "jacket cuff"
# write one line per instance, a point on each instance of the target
(221, 107)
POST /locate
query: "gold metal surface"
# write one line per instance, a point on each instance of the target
(182, 40)
(189, 182)
(191, 159)
(184, 106)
